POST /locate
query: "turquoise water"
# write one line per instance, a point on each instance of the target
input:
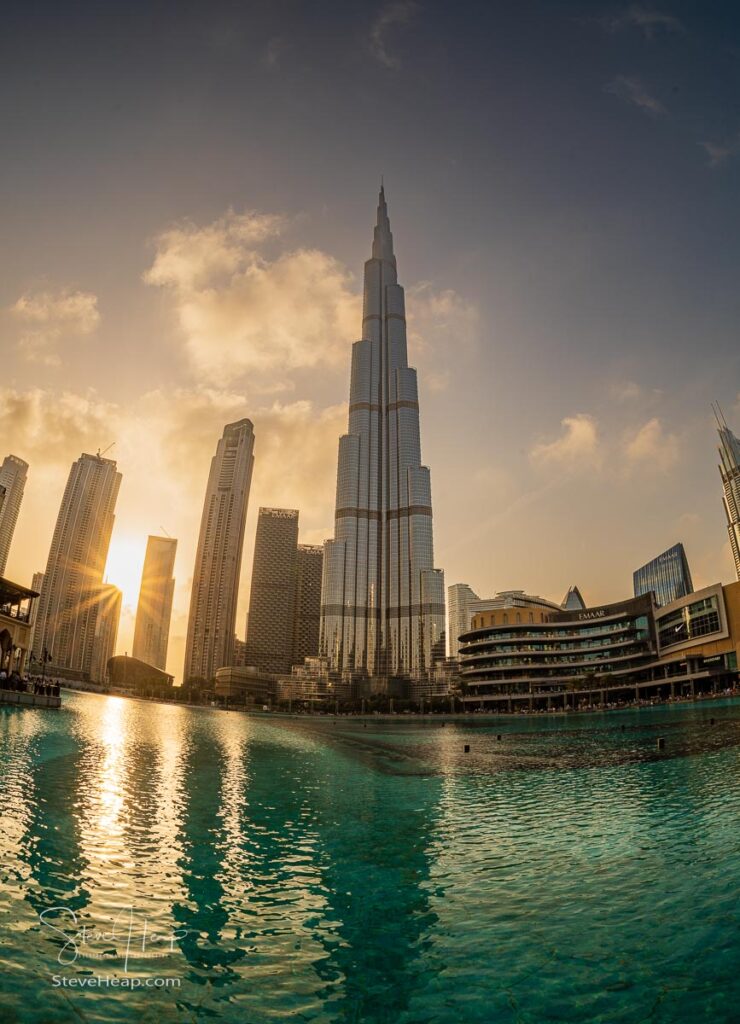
(330, 871)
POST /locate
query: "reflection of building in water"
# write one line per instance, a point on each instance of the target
(622, 651)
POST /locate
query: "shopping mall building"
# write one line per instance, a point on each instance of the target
(527, 659)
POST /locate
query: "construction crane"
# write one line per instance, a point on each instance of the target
(101, 454)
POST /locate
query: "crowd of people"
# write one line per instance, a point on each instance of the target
(28, 684)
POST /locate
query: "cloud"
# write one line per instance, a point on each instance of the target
(718, 152)
(652, 447)
(577, 447)
(442, 324)
(392, 15)
(240, 311)
(626, 391)
(646, 19)
(273, 54)
(49, 317)
(631, 90)
(51, 428)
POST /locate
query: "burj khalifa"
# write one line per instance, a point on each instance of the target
(382, 602)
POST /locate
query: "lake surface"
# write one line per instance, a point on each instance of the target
(334, 871)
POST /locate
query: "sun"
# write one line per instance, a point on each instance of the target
(124, 566)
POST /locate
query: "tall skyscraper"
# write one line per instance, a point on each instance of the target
(154, 610)
(218, 558)
(667, 575)
(37, 584)
(69, 602)
(307, 604)
(459, 599)
(106, 631)
(272, 597)
(729, 469)
(12, 481)
(383, 603)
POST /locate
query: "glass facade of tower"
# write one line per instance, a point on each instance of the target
(383, 605)
(668, 576)
(729, 469)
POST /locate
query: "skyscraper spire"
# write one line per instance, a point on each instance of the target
(382, 605)
(383, 239)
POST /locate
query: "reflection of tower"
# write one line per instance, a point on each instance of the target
(68, 606)
(106, 631)
(272, 597)
(154, 611)
(12, 483)
(383, 605)
(729, 453)
(218, 558)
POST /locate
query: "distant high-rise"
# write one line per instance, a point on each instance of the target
(307, 603)
(154, 610)
(272, 597)
(668, 576)
(573, 600)
(218, 558)
(383, 603)
(106, 631)
(729, 453)
(68, 606)
(459, 611)
(37, 584)
(13, 474)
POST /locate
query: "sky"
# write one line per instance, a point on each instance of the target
(188, 194)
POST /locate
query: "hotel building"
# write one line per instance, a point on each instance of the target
(218, 557)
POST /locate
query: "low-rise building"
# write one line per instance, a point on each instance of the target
(244, 684)
(16, 619)
(623, 651)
